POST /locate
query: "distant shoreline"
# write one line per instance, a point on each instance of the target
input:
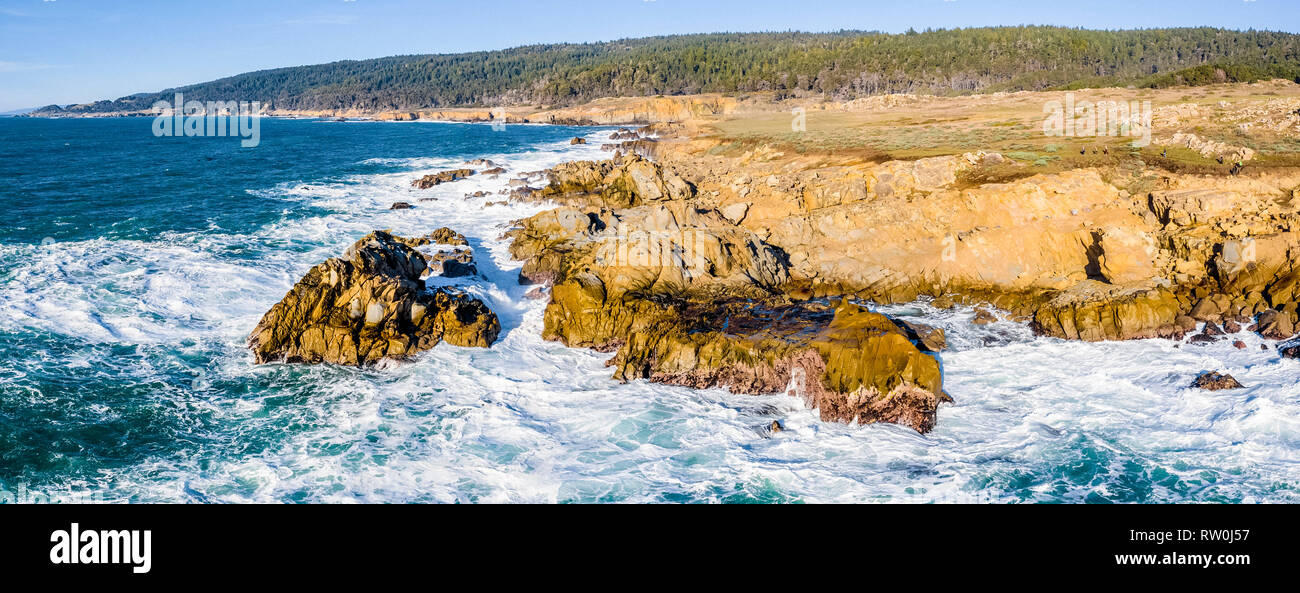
(601, 112)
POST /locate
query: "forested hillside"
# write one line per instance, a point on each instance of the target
(840, 65)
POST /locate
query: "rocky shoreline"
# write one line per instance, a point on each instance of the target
(649, 258)
(700, 263)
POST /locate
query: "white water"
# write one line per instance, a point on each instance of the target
(533, 421)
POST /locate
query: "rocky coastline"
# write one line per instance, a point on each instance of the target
(707, 268)
(700, 262)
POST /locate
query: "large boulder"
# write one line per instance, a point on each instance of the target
(367, 306)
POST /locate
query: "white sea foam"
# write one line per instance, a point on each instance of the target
(533, 421)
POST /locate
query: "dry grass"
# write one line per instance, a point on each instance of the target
(917, 127)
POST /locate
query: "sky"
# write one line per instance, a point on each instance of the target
(74, 51)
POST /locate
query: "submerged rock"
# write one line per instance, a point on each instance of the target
(1214, 381)
(366, 306)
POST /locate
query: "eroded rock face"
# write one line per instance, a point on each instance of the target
(366, 306)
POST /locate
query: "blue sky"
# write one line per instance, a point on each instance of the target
(65, 51)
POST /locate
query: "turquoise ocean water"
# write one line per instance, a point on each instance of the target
(133, 267)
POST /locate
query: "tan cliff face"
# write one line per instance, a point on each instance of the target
(1142, 240)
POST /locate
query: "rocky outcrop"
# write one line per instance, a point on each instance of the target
(1215, 381)
(684, 296)
(1207, 148)
(446, 236)
(442, 177)
(677, 254)
(367, 306)
(1090, 253)
(1095, 311)
(618, 183)
(454, 264)
(850, 364)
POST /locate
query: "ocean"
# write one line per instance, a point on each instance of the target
(132, 269)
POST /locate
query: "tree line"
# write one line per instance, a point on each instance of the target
(840, 65)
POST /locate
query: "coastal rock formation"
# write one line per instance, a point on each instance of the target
(454, 264)
(850, 364)
(439, 178)
(696, 230)
(684, 296)
(1091, 253)
(1215, 381)
(618, 183)
(446, 236)
(650, 249)
(367, 306)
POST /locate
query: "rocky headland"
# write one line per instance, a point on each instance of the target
(703, 261)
